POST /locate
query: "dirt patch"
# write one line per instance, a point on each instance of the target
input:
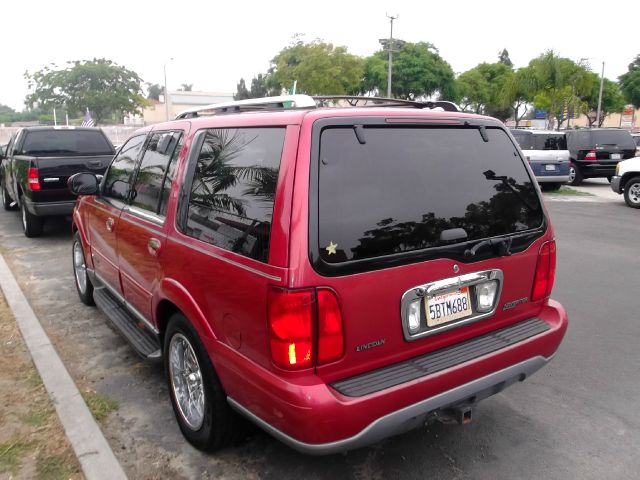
(32, 441)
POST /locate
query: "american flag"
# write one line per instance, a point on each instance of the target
(88, 121)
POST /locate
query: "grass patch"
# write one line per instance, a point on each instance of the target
(55, 467)
(10, 454)
(99, 405)
(38, 418)
(33, 379)
(568, 191)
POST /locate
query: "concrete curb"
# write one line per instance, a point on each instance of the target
(94, 453)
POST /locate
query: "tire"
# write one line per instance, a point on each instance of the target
(632, 192)
(550, 187)
(82, 281)
(209, 423)
(575, 175)
(31, 224)
(6, 199)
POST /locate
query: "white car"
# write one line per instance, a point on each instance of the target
(627, 181)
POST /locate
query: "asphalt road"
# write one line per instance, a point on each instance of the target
(577, 418)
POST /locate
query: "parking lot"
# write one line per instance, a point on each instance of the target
(574, 419)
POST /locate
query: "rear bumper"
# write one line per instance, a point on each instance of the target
(314, 418)
(616, 184)
(553, 179)
(50, 209)
(595, 169)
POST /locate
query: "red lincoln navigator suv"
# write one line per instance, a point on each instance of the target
(337, 274)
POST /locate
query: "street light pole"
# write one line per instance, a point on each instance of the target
(166, 92)
(600, 97)
(391, 18)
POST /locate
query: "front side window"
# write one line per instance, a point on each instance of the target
(147, 189)
(233, 189)
(117, 183)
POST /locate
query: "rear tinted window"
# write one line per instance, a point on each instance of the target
(549, 141)
(621, 138)
(233, 189)
(401, 189)
(66, 142)
(523, 139)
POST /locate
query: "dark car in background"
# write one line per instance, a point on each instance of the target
(36, 167)
(546, 152)
(596, 152)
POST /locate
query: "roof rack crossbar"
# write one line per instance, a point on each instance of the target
(305, 101)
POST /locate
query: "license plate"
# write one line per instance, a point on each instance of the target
(447, 307)
(616, 156)
(550, 167)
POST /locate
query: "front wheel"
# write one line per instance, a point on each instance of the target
(83, 283)
(575, 175)
(632, 192)
(31, 224)
(197, 397)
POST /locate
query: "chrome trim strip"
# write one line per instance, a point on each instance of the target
(129, 307)
(224, 259)
(151, 217)
(404, 419)
(51, 179)
(441, 286)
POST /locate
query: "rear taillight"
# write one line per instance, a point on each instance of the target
(591, 155)
(545, 271)
(33, 179)
(305, 327)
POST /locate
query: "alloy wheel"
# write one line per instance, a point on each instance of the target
(186, 381)
(79, 267)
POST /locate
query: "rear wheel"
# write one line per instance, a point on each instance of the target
(6, 199)
(31, 224)
(83, 284)
(575, 175)
(632, 192)
(198, 400)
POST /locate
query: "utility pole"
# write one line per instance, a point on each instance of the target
(600, 97)
(166, 92)
(391, 19)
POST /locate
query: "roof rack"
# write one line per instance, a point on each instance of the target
(305, 101)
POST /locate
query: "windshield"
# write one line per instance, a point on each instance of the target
(66, 142)
(405, 186)
(549, 141)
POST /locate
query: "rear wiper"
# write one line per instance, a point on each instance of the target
(503, 247)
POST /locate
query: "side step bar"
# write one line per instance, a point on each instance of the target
(145, 343)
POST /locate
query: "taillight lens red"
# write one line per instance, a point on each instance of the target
(294, 333)
(545, 271)
(591, 155)
(330, 332)
(33, 179)
(290, 316)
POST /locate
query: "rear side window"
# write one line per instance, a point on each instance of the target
(117, 183)
(67, 143)
(401, 189)
(233, 189)
(549, 141)
(153, 170)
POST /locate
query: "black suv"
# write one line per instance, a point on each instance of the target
(596, 152)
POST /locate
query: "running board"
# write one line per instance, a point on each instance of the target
(145, 343)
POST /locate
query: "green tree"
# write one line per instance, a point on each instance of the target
(503, 57)
(612, 100)
(318, 68)
(518, 91)
(559, 82)
(100, 85)
(186, 87)
(418, 71)
(260, 87)
(481, 89)
(630, 83)
(154, 91)
(241, 91)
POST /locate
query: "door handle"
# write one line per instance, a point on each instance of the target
(153, 245)
(110, 223)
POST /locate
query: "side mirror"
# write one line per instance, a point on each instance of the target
(83, 183)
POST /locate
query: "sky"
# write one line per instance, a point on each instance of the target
(214, 43)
